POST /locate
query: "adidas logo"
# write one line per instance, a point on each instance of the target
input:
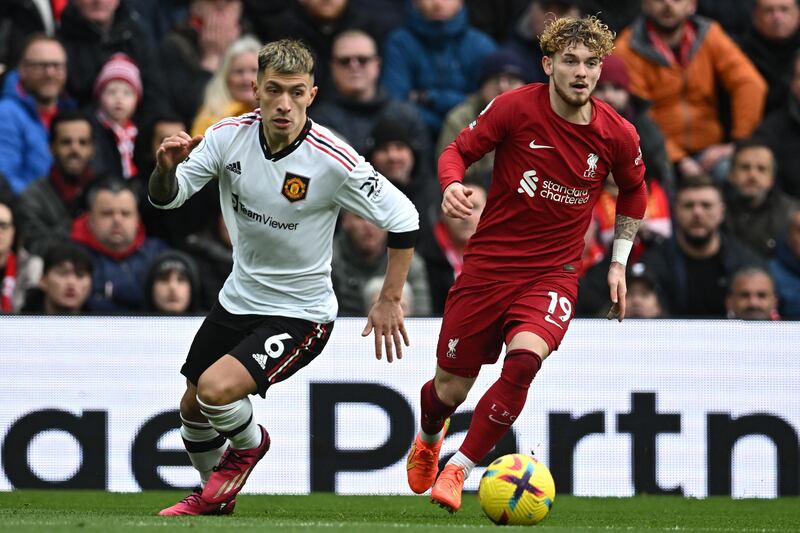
(235, 167)
(261, 359)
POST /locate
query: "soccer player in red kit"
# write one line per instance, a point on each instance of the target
(554, 147)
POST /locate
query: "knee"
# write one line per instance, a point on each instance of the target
(212, 390)
(190, 409)
(520, 367)
(452, 392)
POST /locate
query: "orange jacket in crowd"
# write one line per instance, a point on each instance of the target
(685, 99)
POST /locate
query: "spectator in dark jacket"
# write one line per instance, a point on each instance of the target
(781, 129)
(524, 38)
(317, 23)
(359, 102)
(93, 31)
(21, 18)
(771, 44)
(212, 251)
(695, 265)
(121, 252)
(394, 152)
(171, 225)
(360, 254)
(785, 268)
(735, 17)
(434, 59)
(49, 204)
(758, 212)
(172, 286)
(752, 295)
(32, 95)
(66, 282)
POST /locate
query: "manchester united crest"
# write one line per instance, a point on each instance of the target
(294, 187)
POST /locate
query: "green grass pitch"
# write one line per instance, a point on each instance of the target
(34, 511)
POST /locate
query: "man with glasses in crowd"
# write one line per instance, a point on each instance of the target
(359, 102)
(31, 97)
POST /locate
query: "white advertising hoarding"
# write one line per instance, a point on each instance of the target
(685, 407)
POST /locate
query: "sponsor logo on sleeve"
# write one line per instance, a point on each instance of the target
(372, 186)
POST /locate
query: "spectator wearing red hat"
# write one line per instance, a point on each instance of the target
(117, 92)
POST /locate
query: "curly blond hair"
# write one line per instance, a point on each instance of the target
(562, 33)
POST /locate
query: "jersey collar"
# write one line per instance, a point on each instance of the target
(286, 151)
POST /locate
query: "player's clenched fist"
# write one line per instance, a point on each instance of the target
(175, 149)
(456, 202)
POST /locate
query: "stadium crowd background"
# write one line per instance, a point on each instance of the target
(90, 87)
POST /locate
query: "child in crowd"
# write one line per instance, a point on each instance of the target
(118, 91)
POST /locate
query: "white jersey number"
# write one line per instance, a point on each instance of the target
(273, 346)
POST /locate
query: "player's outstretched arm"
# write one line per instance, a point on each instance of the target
(174, 149)
(386, 315)
(625, 229)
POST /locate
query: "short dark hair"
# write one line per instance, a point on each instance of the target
(70, 115)
(113, 184)
(701, 181)
(751, 142)
(746, 272)
(34, 38)
(66, 252)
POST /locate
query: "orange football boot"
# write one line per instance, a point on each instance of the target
(422, 464)
(447, 489)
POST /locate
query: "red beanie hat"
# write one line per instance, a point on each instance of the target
(615, 72)
(119, 67)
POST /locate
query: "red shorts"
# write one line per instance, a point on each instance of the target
(480, 315)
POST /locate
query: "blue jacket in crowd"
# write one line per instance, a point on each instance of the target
(785, 268)
(440, 58)
(24, 148)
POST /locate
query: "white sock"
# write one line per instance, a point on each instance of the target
(431, 438)
(204, 445)
(459, 459)
(234, 421)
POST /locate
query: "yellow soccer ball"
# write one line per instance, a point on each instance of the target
(517, 489)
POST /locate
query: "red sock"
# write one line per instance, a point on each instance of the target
(434, 410)
(501, 404)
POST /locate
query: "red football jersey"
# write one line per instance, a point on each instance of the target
(548, 174)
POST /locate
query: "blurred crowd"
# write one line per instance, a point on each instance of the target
(89, 88)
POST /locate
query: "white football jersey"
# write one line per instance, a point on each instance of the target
(281, 211)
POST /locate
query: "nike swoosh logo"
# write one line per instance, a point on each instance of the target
(537, 146)
(496, 421)
(547, 318)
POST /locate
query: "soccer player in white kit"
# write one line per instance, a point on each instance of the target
(282, 180)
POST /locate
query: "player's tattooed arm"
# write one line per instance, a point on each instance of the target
(626, 227)
(163, 185)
